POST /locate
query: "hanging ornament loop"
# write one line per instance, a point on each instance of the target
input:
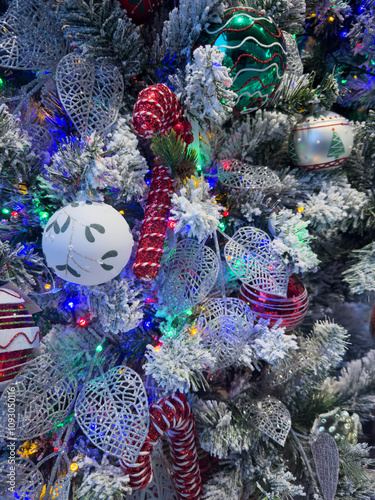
(174, 416)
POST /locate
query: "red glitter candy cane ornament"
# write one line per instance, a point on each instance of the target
(156, 110)
(154, 226)
(172, 415)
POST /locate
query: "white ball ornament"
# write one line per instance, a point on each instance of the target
(321, 141)
(87, 243)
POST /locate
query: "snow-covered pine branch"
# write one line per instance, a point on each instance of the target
(195, 212)
(207, 94)
(292, 241)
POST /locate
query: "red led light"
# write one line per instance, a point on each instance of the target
(14, 213)
(82, 322)
(172, 224)
(150, 301)
(225, 213)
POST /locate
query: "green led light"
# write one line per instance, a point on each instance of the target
(44, 215)
(344, 81)
(5, 210)
(189, 312)
(199, 168)
(99, 348)
(222, 225)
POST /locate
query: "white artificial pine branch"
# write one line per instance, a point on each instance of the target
(207, 94)
(78, 168)
(252, 140)
(194, 210)
(325, 347)
(361, 275)
(186, 22)
(179, 363)
(355, 387)
(292, 241)
(220, 433)
(117, 305)
(269, 344)
(102, 481)
(336, 205)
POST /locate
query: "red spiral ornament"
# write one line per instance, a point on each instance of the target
(290, 309)
(156, 110)
(154, 226)
(174, 416)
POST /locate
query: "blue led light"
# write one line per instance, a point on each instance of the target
(71, 304)
(344, 34)
(147, 324)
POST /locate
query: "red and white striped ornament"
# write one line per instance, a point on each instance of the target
(154, 226)
(156, 110)
(18, 334)
(290, 309)
(174, 416)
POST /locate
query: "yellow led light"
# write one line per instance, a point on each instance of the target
(331, 19)
(74, 467)
(194, 331)
(300, 209)
(355, 76)
(313, 15)
(121, 212)
(47, 286)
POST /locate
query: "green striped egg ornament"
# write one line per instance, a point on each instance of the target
(255, 53)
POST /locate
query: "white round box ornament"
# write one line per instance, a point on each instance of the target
(87, 243)
(321, 141)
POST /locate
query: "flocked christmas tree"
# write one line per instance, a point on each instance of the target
(187, 249)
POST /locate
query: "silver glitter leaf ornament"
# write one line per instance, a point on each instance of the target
(248, 254)
(191, 270)
(326, 458)
(239, 175)
(91, 93)
(58, 488)
(294, 61)
(273, 418)
(286, 370)
(28, 480)
(112, 411)
(30, 37)
(43, 394)
(225, 325)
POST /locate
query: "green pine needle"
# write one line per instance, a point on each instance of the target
(172, 152)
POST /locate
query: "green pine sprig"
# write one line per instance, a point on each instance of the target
(173, 154)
